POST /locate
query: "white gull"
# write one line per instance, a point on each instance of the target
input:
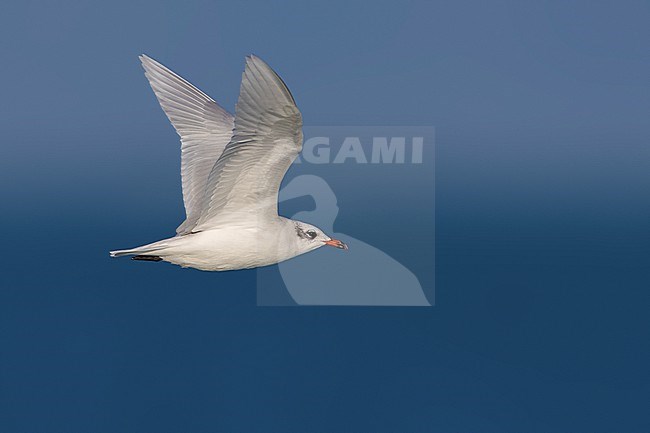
(231, 169)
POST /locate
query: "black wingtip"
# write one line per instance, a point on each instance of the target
(147, 258)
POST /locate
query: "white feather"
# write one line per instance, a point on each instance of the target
(244, 182)
(203, 125)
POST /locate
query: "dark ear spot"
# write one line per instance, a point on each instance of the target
(301, 234)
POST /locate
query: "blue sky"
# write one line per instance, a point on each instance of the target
(540, 322)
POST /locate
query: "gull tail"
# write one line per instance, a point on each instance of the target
(146, 252)
(120, 253)
(136, 255)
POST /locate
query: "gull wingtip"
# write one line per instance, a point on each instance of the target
(146, 60)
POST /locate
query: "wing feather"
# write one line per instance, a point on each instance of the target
(244, 182)
(205, 129)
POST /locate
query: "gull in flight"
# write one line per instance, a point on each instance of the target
(231, 170)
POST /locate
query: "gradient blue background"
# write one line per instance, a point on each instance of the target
(541, 318)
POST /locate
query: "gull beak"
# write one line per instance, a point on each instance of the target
(336, 244)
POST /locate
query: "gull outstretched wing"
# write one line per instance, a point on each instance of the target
(244, 182)
(205, 129)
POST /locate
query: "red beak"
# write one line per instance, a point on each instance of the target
(336, 244)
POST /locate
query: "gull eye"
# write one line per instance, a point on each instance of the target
(311, 234)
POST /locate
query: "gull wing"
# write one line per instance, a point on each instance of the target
(244, 182)
(205, 129)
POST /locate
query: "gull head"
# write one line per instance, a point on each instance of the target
(310, 237)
